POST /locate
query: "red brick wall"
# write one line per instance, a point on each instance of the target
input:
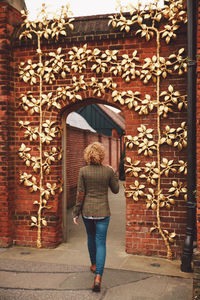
(115, 153)
(139, 219)
(106, 142)
(8, 19)
(75, 158)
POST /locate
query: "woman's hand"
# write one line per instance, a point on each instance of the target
(75, 220)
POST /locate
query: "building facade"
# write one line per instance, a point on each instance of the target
(18, 213)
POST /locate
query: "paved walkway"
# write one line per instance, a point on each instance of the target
(63, 273)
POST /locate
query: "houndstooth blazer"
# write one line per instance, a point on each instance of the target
(92, 191)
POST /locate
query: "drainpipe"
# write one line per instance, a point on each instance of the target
(191, 123)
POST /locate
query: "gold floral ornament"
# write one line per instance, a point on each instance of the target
(173, 12)
(107, 61)
(152, 69)
(29, 103)
(45, 68)
(46, 24)
(135, 191)
(170, 99)
(79, 58)
(31, 133)
(178, 188)
(175, 137)
(51, 158)
(100, 88)
(129, 67)
(159, 66)
(70, 92)
(150, 173)
(143, 140)
(132, 168)
(170, 166)
(168, 237)
(150, 21)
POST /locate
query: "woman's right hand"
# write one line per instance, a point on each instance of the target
(75, 220)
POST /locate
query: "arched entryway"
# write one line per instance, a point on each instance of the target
(74, 141)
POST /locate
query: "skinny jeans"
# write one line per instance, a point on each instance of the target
(96, 237)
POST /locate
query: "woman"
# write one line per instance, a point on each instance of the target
(92, 202)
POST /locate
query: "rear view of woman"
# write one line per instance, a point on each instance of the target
(92, 202)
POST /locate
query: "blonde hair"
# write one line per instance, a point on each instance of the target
(94, 153)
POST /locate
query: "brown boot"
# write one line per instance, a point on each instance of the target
(97, 284)
(93, 268)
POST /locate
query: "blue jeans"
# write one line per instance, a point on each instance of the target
(96, 233)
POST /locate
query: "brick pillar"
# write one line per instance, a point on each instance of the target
(9, 18)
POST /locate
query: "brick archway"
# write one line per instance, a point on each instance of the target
(17, 206)
(71, 164)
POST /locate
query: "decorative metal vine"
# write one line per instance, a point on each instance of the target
(40, 72)
(158, 23)
(152, 22)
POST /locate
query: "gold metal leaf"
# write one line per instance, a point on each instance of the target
(34, 219)
(153, 206)
(44, 222)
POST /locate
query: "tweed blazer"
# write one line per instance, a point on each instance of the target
(92, 191)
